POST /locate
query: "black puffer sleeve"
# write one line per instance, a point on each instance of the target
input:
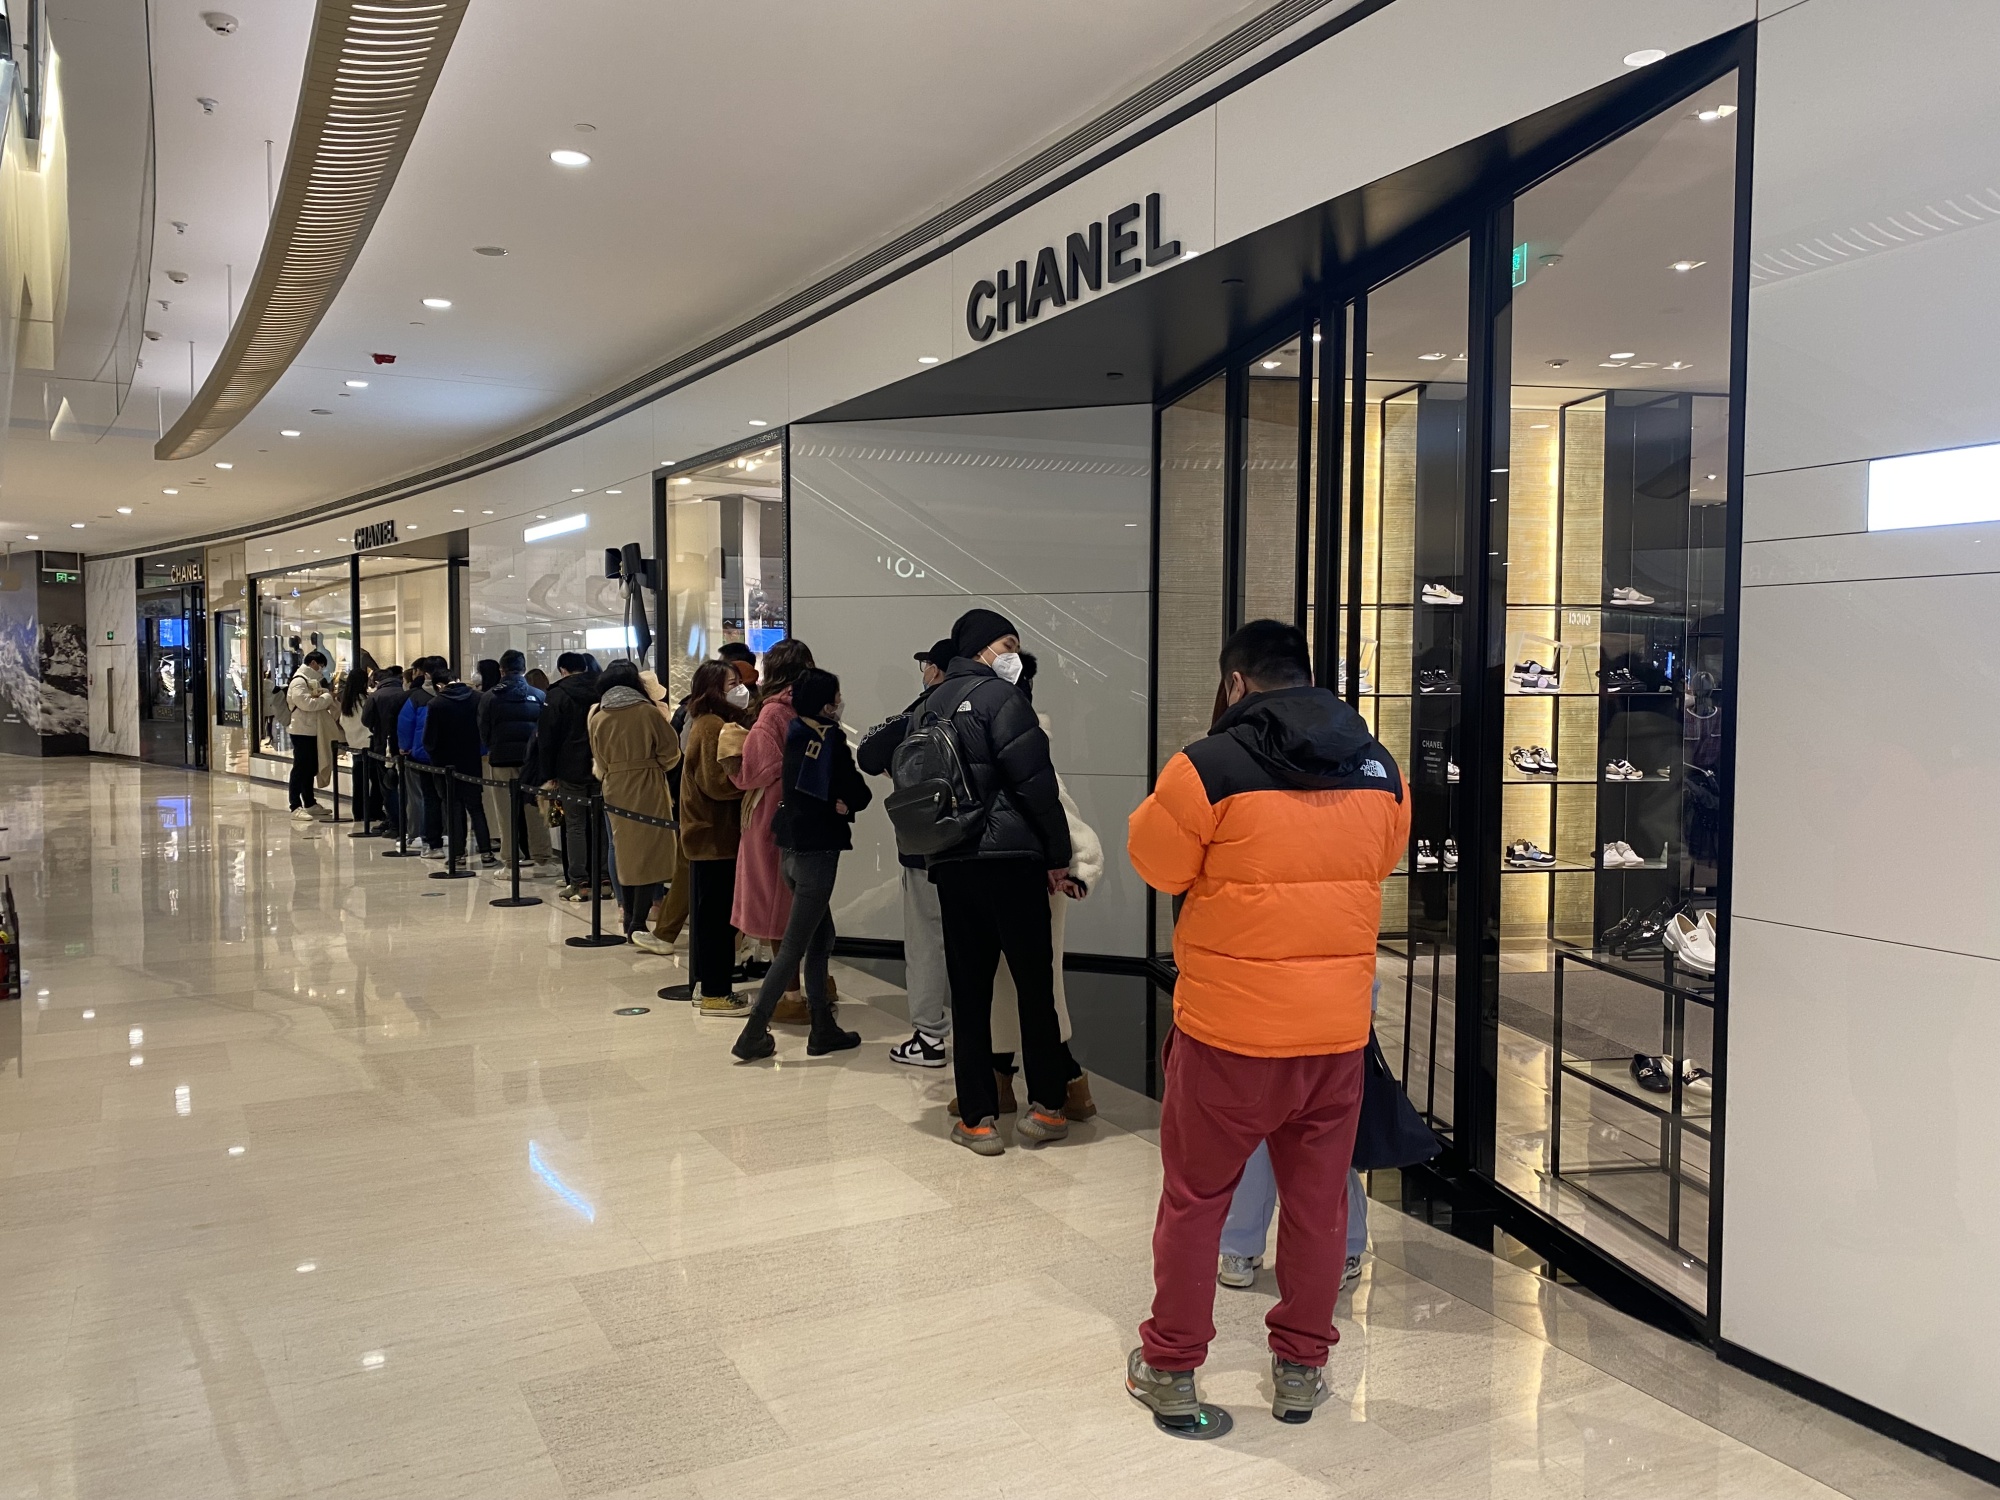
(1028, 773)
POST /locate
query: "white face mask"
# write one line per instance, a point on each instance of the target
(1008, 665)
(739, 695)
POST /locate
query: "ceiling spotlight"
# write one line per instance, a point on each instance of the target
(1616, 355)
(76, 526)
(614, 492)
(1438, 355)
(225, 466)
(1686, 265)
(169, 492)
(576, 491)
(1644, 57)
(288, 432)
(927, 359)
(357, 385)
(569, 158)
(124, 510)
(33, 537)
(439, 303)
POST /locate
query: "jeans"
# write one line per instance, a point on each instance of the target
(1218, 1106)
(808, 941)
(305, 771)
(924, 975)
(711, 940)
(1248, 1226)
(991, 907)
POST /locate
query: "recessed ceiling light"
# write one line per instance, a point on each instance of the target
(357, 385)
(927, 359)
(486, 512)
(33, 537)
(1270, 364)
(1431, 356)
(288, 432)
(169, 492)
(458, 510)
(225, 466)
(438, 302)
(576, 491)
(759, 422)
(1686, 265)
(124, 510)
(76, 526)
(1614, 354)
(1644, 57)
(416, 528)
(683, 480)
(614, 492)
(1537, 426)
(566, 158)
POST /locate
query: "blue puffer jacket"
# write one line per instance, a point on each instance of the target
(507, 720)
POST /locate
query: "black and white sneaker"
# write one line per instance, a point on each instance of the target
(1523, 855)
(1451, 854)
(1621, 680)
(1437, 593)
(1451, 773)
(1426, 856)
(1435, 680)
(1533, 677)
(922, 1050)
(1532, 762)
(1622, 770)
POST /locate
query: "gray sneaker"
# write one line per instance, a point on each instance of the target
(1296, 1390)
(1352, 1272)
(1238, 1271)
(1170, 1393)
(1040, 1126)
(983, 1139)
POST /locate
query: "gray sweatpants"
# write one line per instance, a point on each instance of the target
(923, 955)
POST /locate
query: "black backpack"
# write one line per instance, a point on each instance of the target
(934, 807)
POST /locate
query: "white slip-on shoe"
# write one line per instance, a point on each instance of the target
(1684, 939)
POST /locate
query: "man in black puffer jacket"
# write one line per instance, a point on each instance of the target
(508, 717)
(993, 890)
(562, 759)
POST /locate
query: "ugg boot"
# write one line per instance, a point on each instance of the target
(792, 1010)
(1077, 1103)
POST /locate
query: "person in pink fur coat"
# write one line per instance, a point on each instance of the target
(763, 901)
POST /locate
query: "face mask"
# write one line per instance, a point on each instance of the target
(1008, 665)
(739, 695)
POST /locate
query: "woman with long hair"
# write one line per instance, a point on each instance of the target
(357, 737)
(763, 900)
(632, 748)
(711, 832)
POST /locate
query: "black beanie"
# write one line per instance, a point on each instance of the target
(813, 691)
(979, 628)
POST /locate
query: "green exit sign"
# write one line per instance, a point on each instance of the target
(60, 575)
(1520, 265)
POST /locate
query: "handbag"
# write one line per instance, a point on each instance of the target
(1390, 1132)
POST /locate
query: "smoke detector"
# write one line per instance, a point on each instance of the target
(207, 105)
(219, 22)
(177, 277)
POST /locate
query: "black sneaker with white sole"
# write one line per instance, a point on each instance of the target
(922, 1050)
(1523, 855)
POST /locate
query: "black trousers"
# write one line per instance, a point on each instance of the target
(711, 940)
(305, 771)
(991, 907)
(465, 801)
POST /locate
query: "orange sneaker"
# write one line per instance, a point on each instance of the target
(1040, 1126)
(982, 1139)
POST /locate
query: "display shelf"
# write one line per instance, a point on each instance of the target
(1651, 864)
(1614, 1076)
(1560, 867)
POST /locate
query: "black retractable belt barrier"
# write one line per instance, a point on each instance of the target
(403, 849)
(451, 871)
(517, 829)
(594, 842)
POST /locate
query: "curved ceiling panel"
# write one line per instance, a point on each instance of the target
(369, 73)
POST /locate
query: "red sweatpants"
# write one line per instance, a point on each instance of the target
(1218, 1106)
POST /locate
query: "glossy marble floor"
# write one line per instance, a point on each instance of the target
(323, 1178)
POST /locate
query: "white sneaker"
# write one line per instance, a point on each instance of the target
(1633, 858)
(1628, 597)
(432, 854)
(1614, 857)
(304, 815)
(1437, 593)
(647, 941)
(1238, 1271)
(1426, 857)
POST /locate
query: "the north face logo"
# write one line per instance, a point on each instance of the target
(1376, 769)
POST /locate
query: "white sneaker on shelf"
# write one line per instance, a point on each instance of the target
(1426, 857)
(1451, 773)
(1437, 593)
(1630, 597)
(1633, 858)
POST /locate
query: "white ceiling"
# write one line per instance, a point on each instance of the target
(738, 151)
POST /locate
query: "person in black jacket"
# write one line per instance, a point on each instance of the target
(378, 716)
(821, 791)
(451, 735)
(562, 756)
(508, 716)
(925, 984)
(993, 890)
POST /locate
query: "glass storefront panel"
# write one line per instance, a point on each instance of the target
(536, 584)
(297, 610)
(727, 576)
(1268, 585)
(405, 609)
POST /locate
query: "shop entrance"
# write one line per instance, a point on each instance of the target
(173, 676)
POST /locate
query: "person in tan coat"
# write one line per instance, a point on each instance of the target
(632, 747)
(711, 833)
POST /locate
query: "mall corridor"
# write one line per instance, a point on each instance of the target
(323, 1178)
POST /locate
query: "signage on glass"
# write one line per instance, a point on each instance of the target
(1107, 251)
(381, 534)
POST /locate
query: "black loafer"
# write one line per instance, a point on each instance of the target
(1651, 1074)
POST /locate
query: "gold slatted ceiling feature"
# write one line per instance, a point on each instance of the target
(369, 73)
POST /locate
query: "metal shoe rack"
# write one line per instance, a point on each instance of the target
(1677, 1117)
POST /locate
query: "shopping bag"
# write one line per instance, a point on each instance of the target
(1390, 1132)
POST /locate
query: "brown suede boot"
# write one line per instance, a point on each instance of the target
(792, 1010)
(1077, 1104)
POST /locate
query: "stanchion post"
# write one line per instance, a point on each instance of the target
(593, 841)
(363, 781)
(517, 827)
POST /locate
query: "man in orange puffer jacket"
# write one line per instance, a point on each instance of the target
(1278, 829)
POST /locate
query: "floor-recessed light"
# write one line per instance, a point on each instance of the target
(225, 466)
(357, 385)
(927, 359)
(1644, 57)
(438, 302)
(568, 158)
(1686, 265)
(1615, 354)
(124, 510)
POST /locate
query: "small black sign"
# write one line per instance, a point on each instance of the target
(381, 534)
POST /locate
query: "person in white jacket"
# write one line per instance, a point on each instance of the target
(314, 716)
(1086, 868)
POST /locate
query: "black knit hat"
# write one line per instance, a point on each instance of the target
(979, 628)
(813, 691)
